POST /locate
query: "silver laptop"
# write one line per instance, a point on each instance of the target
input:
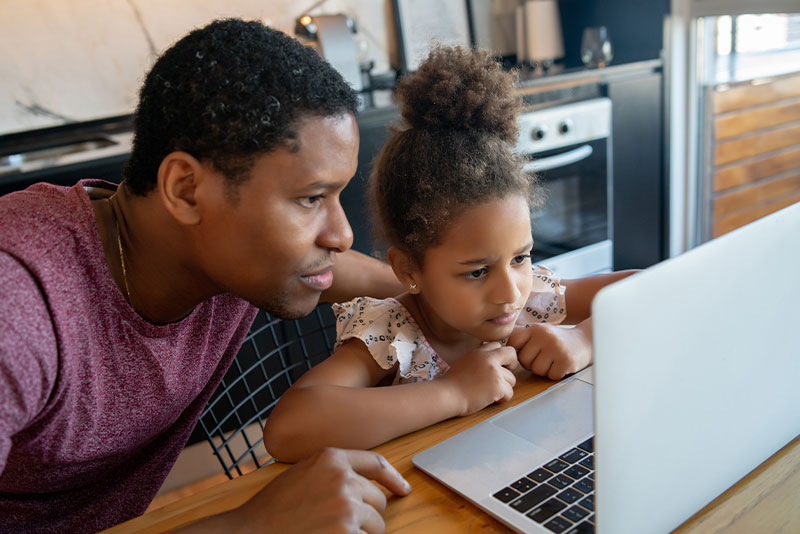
(695, 383)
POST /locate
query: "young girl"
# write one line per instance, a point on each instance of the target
(453, 203)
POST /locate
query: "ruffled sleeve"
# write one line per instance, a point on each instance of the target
(391, 335)
(546, 303)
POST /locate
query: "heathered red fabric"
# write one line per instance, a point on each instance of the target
(95, 402)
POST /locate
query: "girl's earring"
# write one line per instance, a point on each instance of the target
(412, 287)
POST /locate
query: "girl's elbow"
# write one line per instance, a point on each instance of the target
(281, 441)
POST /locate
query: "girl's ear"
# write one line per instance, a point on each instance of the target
(404, 268)
(178, 178)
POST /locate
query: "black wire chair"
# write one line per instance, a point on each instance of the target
(274, 355)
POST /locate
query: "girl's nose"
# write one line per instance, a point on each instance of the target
(506, 289)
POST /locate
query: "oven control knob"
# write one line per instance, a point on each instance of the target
(565, 127)
(538, 133)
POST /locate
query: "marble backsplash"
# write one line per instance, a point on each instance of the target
(79, 60)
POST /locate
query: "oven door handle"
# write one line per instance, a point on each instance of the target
(560, 160)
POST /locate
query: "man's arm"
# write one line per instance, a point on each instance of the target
(28, 351)
(358, 275)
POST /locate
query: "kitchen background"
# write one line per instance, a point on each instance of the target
(83, 59)
(79, 64)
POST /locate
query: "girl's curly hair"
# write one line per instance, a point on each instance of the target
(453, 150)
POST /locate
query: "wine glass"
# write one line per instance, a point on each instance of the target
(595, 47)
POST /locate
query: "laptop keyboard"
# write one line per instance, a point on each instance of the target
(560, 494)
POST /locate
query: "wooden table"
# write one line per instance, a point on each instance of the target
(766, 501)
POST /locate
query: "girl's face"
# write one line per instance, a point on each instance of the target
(478, 279)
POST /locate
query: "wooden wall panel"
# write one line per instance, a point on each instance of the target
(725, 224)
(762, 192)
(755, 152)
(772, 164)
(758, 142)
(742, 122)
(748, 95)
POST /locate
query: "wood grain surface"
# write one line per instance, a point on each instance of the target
(749, 506)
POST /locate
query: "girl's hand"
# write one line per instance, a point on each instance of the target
(482, 377)
(553, 351)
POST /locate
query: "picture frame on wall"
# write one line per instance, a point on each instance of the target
(419, 24)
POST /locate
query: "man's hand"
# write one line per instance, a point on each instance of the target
(553, 351)
(483, 376)
(328, 492)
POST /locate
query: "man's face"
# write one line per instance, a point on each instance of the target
(274, 245)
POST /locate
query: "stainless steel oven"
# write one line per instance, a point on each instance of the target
(569, 149)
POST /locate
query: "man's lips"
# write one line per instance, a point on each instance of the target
(320, 280)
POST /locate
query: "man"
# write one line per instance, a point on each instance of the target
(120, 310)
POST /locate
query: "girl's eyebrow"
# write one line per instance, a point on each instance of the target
(521, 250)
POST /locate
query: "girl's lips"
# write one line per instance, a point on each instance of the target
(505, 319)
(320, 281)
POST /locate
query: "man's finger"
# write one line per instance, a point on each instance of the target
(370, 520)
(375, 467)
(371, 494)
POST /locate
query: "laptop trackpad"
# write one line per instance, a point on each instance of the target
(554, 420)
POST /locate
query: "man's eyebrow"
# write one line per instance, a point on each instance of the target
(521, 250)
(324, 185)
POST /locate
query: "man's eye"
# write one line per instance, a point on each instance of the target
(310, 202)
(520, 259)
(477, 274)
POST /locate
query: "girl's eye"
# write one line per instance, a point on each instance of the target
(310, 202)
(520, 259)
(477, 274)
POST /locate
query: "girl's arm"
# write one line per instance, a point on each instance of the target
(335, 405)
(581, 291)
(552, 351)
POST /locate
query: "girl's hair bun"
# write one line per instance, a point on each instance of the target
(459, 88)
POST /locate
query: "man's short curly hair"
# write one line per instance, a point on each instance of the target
(227, 93)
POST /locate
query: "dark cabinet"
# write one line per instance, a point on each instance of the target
(639, 182)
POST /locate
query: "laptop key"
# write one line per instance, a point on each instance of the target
(576, 471)
(588, 462)
(506, 495)
(590, 519)
(585, 485)
(548, 509)
(560, 481)
(533, 497)
(575, 513)
(570, 495)
(583, 528)
(558, 525)
(588, 502)
(540, 475)
(555, 465)
(587, 445)
(573, 456)
(523, 485)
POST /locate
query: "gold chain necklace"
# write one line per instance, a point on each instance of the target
(121, 253)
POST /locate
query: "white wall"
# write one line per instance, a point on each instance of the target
(78, 60)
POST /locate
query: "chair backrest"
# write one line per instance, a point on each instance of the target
(274, 355)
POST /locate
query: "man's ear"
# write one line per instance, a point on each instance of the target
(179, 175)
(405, 269)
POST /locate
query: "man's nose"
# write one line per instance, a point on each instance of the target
(336, 235)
